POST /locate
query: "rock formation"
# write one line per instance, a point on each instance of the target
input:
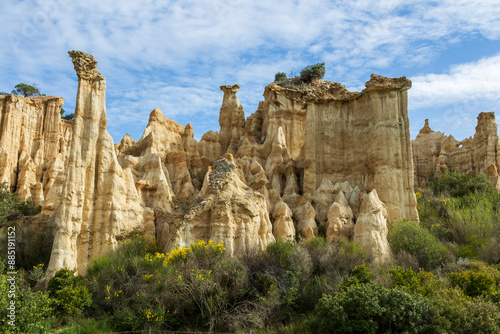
(311, 160)
(34, 147)
(371, 230)
(99, 201)
(435, 152)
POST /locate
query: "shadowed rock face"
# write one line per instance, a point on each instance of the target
(435, 152)
(309, 159)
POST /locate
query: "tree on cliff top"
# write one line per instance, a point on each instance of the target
(313, 72)
(26, 90)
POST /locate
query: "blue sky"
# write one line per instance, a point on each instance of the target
(174, 55)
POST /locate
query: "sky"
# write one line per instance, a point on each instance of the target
(174, 55)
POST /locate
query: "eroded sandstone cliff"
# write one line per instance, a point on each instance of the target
(311, 160)
(34, 148)
(433, 151)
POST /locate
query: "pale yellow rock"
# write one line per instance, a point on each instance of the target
(435, 152)
(226, 210)
(210, 148)
(32, 135)
(322, 199)
(231, 119)
(99, 205)
(370, 230)
(303, 216)
(362, 138)
(283, 227)
(340, 220)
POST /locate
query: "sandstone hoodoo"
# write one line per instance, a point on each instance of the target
(311, 159)
(433, 151)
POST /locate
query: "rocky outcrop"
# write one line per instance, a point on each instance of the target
(231, 119)
(99, 202)
(34, 147)
(309, 161)
(226, 210)
(436, 152)
(362, 138)
(371, 230)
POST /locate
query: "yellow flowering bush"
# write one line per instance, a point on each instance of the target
(200, 251)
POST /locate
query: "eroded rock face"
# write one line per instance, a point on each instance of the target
(34, 146)
(371, 230)
(435, 152)
(299, 165)
(226, 210)
(99, 202)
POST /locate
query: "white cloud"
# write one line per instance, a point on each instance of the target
(189, 48)
(463, 83)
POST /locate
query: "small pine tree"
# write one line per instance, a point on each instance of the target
(280, 76)
(312, 72)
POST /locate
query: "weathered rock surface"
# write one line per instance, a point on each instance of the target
(99, 202)
(226, 210)
(435, 152)
(297, 167)
(371, 230)
(34, 147)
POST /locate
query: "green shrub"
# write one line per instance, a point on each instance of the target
(418, 241)
(423, 283)
(473, 283)
(359, 275)
(457, 313)
(32, 309)
(280, 76)
(312, 72)
(12, 208)
(457, 184)
(68, 293)
(370, 308)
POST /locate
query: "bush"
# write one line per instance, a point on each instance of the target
(68, 293)
(12, 208)
(33, 311)
(312, 72)
(280, 76)
(457, 184)
(418, 241)
(473, 283)
(371, 308)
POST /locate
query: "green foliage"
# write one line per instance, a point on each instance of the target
(415, 239)
(469, 220)
(26, 90)
(423, 283)
(281, 251)
(459, 185)
(458, 313)
(32, 309)
(371, 308)
(359, 275)
(12, 208)
(69, 117)
(280, 76)
(312, 72)
(4, 93)
(473, 283)
(68, 293)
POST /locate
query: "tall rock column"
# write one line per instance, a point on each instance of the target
(231, 119)
(99, 203)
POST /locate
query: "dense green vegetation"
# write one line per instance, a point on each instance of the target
(445, 278)
(309, 74)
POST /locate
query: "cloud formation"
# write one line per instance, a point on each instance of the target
(175, 54)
